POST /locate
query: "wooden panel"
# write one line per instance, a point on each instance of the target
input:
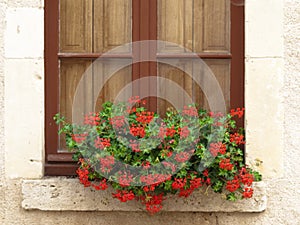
(216, 20)
(175, 24)
(219, 68)
(71, 73)
(112, 24)
(110, 87)
(177, 92)
(76, 26)
(198, 25)
(61, 169)
(62, 157)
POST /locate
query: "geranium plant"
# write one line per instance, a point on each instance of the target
(146, 158)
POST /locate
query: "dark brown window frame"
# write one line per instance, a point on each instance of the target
(61, 163)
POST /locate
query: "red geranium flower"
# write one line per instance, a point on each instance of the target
(248, 192)
(225, 164)
(102, 143)
(216, 148)
(232, 185)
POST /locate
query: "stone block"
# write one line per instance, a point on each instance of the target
(61, 194)
(24, 35)
(264, 28)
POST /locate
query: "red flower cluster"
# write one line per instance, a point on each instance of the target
(153, 203)
(131, 110)
(205, 173)
(190, 111)
(106, 163)
(184, 132)
(137, 131)
(225, 164)
(178, 183)
(151, 179)
(92, 119)
(166, 153)
(182, 157)
(125, 179)
(149, 188)
(144, 117)
(169, 132)
(153, 208)
(216, 148)
(246, 177)
(83, 175)
(233, 185)
(206, 179)
(117, 121)
(185, 192)
(101, 186)
(238, 112)
(78, 138)
(194, 184)
(124, 196)
(248, 192)
(146, 165)
(237, 138)
(102, 143)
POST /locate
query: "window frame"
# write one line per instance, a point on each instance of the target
(57, 163)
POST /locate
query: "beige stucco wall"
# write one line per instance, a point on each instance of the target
(272, 119)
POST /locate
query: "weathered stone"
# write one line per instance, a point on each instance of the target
(59, 194)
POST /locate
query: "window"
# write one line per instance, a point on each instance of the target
(79, 31)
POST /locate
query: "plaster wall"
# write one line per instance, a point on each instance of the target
(272, 119)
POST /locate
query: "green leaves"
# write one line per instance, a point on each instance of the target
(257, 175)
(218, 186)
(231, 197)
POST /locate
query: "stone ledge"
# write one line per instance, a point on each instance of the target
(63, 194)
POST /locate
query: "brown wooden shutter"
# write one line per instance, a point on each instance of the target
(79, 31)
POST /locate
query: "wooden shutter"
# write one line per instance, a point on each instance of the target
(79, 31)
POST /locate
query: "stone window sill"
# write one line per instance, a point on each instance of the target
(64, 194)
